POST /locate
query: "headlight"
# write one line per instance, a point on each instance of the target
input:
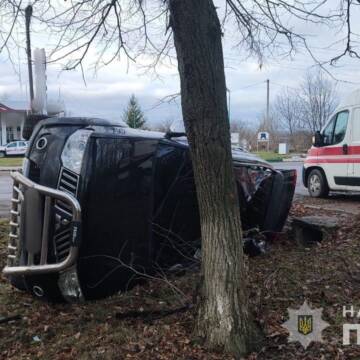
(73, 152)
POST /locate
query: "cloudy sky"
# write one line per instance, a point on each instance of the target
(107, 91)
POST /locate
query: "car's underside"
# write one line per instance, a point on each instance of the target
(99, 205)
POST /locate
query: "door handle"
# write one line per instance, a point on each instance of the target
(345, 149)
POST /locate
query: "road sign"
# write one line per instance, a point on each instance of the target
(263, 136)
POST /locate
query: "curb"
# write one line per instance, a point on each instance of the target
(300, 160)
(10, 168)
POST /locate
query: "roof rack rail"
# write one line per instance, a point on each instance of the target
(170, 134)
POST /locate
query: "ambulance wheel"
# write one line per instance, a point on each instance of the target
(317, 184)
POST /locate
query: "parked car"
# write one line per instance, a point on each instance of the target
(333, 162)
(97, 200)
(14, 148)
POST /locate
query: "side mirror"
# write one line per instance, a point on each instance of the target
(318, 139)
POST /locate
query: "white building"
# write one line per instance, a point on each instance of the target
(235, 137)
(12, 117)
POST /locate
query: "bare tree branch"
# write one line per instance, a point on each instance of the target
(349, 50)
(106, 29)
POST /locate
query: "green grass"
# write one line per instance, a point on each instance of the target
(11, 161)
(269, 156)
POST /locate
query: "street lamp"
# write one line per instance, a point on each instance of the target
(229, 103)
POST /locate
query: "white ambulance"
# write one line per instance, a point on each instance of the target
(333, 162)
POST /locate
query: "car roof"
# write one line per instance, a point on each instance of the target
(15, 141)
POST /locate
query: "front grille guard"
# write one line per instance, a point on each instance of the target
(50, 195)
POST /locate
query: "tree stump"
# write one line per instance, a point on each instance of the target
(310, 230)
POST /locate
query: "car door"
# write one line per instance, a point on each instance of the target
(354, 151)
(11, 148)
(334, 155)
(21, 149)
(17, 148)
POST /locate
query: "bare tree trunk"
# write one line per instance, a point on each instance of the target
(223, 318)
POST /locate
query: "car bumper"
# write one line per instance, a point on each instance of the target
(30, 240)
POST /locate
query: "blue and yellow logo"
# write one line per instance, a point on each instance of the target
(305, 324)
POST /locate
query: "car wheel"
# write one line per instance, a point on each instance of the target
(317, 184)
(2, 154)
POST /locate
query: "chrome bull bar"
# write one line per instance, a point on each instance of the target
(22, 183)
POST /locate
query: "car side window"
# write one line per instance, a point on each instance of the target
(355, 130)
(335, 131)
(329, 131)
(22, 143)
(11, 145)
(340, 127)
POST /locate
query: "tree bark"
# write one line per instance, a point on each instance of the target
(223, 319)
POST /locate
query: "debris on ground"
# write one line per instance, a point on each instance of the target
(4, 320)
(254, 242)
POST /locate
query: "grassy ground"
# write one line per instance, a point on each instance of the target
(11, 161)
(328, 276)
(270, 156)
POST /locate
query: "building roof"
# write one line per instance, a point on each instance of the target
(9, 106)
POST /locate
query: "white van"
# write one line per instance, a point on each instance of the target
(333, 162)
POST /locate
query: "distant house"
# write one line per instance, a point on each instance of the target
(12, 117)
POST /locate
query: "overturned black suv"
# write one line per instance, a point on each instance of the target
(98, 203)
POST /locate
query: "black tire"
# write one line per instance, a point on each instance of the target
(317, 184)
(2, 154)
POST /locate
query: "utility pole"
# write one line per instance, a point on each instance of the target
(267, 104)
(28, 14)
(229, 104)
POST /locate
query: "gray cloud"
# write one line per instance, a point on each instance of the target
(107, 93)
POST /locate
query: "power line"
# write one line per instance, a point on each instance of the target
(282, 85)
(251, 85)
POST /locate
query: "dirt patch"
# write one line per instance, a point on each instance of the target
(327, 275)
(346, 203)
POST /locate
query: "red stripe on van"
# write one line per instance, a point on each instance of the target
(354, 150)
(332, 161)
(337, 150)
